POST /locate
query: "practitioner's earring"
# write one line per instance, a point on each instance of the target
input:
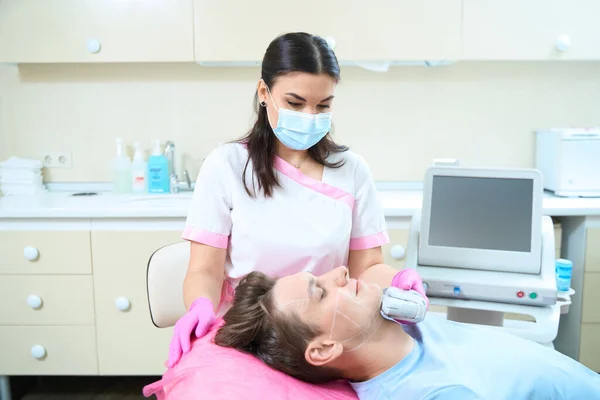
(263, 104)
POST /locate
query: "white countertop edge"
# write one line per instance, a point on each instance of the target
(395, 203)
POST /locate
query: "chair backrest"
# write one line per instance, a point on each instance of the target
(164, 281)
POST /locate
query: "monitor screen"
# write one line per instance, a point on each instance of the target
(464, 208)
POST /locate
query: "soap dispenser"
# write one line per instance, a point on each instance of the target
(158, 171)
(121, 170)
(138, 170)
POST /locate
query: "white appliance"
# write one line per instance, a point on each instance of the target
(569, 160)
(483, 248)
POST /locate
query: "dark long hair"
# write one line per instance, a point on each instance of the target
(288, 53)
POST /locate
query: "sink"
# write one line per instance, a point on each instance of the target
(167, 200)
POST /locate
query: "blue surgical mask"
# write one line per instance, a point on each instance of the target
(298, 130)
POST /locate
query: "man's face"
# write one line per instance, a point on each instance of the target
(344, 309)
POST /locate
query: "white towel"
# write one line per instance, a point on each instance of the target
(21, 163)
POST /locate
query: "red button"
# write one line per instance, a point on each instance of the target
(520, 294)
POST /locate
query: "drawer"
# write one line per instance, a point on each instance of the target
(62, 350)
(592, 250)
(589, 346)
(398, 237)
(47, 300)
(48, 252)
(591, 297)
(128, 341)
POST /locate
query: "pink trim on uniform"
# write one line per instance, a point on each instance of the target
(368, 242)
(205, 237)
(331, 191)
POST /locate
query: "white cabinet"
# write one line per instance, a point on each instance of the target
(531, 30)
(128, 341)
(62, 31)
(241, 30)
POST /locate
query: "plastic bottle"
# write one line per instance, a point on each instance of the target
(138, 170)
(158, 171)
(564, 270)
(121, 170)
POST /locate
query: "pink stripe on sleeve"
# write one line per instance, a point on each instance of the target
(205, 237)
(368, 242)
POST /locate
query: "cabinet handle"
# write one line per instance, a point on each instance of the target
(31, 253)
(34, 301)
(122, 303)
(397, 252)
(38, 352)
(93, 46)
(330, 42)
(563, 42)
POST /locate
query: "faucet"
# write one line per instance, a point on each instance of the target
(177, 185)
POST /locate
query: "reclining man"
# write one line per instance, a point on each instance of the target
(330, 327)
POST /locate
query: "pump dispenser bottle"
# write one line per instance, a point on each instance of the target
(158, 171)
(121, 170)
(138, 170)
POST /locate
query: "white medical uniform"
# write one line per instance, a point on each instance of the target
(307, 225)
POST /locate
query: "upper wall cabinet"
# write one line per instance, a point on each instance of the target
(531, 30)
(58, 31)
(377, 30)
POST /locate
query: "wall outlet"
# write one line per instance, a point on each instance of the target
(58, 160)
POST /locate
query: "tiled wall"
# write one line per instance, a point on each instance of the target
(482, 113)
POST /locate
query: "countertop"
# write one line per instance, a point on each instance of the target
(396, 203)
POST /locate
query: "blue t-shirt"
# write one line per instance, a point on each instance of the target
(459, 361)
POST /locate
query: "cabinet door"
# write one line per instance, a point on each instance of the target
(530, 30)
(375, 30)
(128, 341)
(589, 349)
(96, 31)
(592, 250)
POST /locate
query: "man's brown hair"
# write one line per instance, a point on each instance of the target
(254, 325)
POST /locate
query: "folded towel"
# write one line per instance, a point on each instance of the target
(21, 163)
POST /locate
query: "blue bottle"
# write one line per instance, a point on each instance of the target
(158, 171)
(564, 270)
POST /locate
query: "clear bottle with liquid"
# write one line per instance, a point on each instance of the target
(121, 170)
(139, 181)
(158, 171)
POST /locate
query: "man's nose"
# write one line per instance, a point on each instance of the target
(341, 276)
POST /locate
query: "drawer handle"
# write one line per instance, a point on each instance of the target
(122, 303)
(34, 301)
(38, 352)
(397, 252)
(563, 42)
(31, 253)
(93, 46)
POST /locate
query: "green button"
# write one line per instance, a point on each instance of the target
(533, 295)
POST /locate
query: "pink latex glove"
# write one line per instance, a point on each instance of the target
(198, 321)
(409, 279)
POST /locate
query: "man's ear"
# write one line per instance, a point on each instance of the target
(323, 352)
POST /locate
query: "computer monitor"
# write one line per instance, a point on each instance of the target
(485, 219)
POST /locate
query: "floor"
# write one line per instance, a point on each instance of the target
(79, 388)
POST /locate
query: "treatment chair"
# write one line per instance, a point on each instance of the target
(167, 267)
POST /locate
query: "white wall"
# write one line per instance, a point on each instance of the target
(482, 113)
